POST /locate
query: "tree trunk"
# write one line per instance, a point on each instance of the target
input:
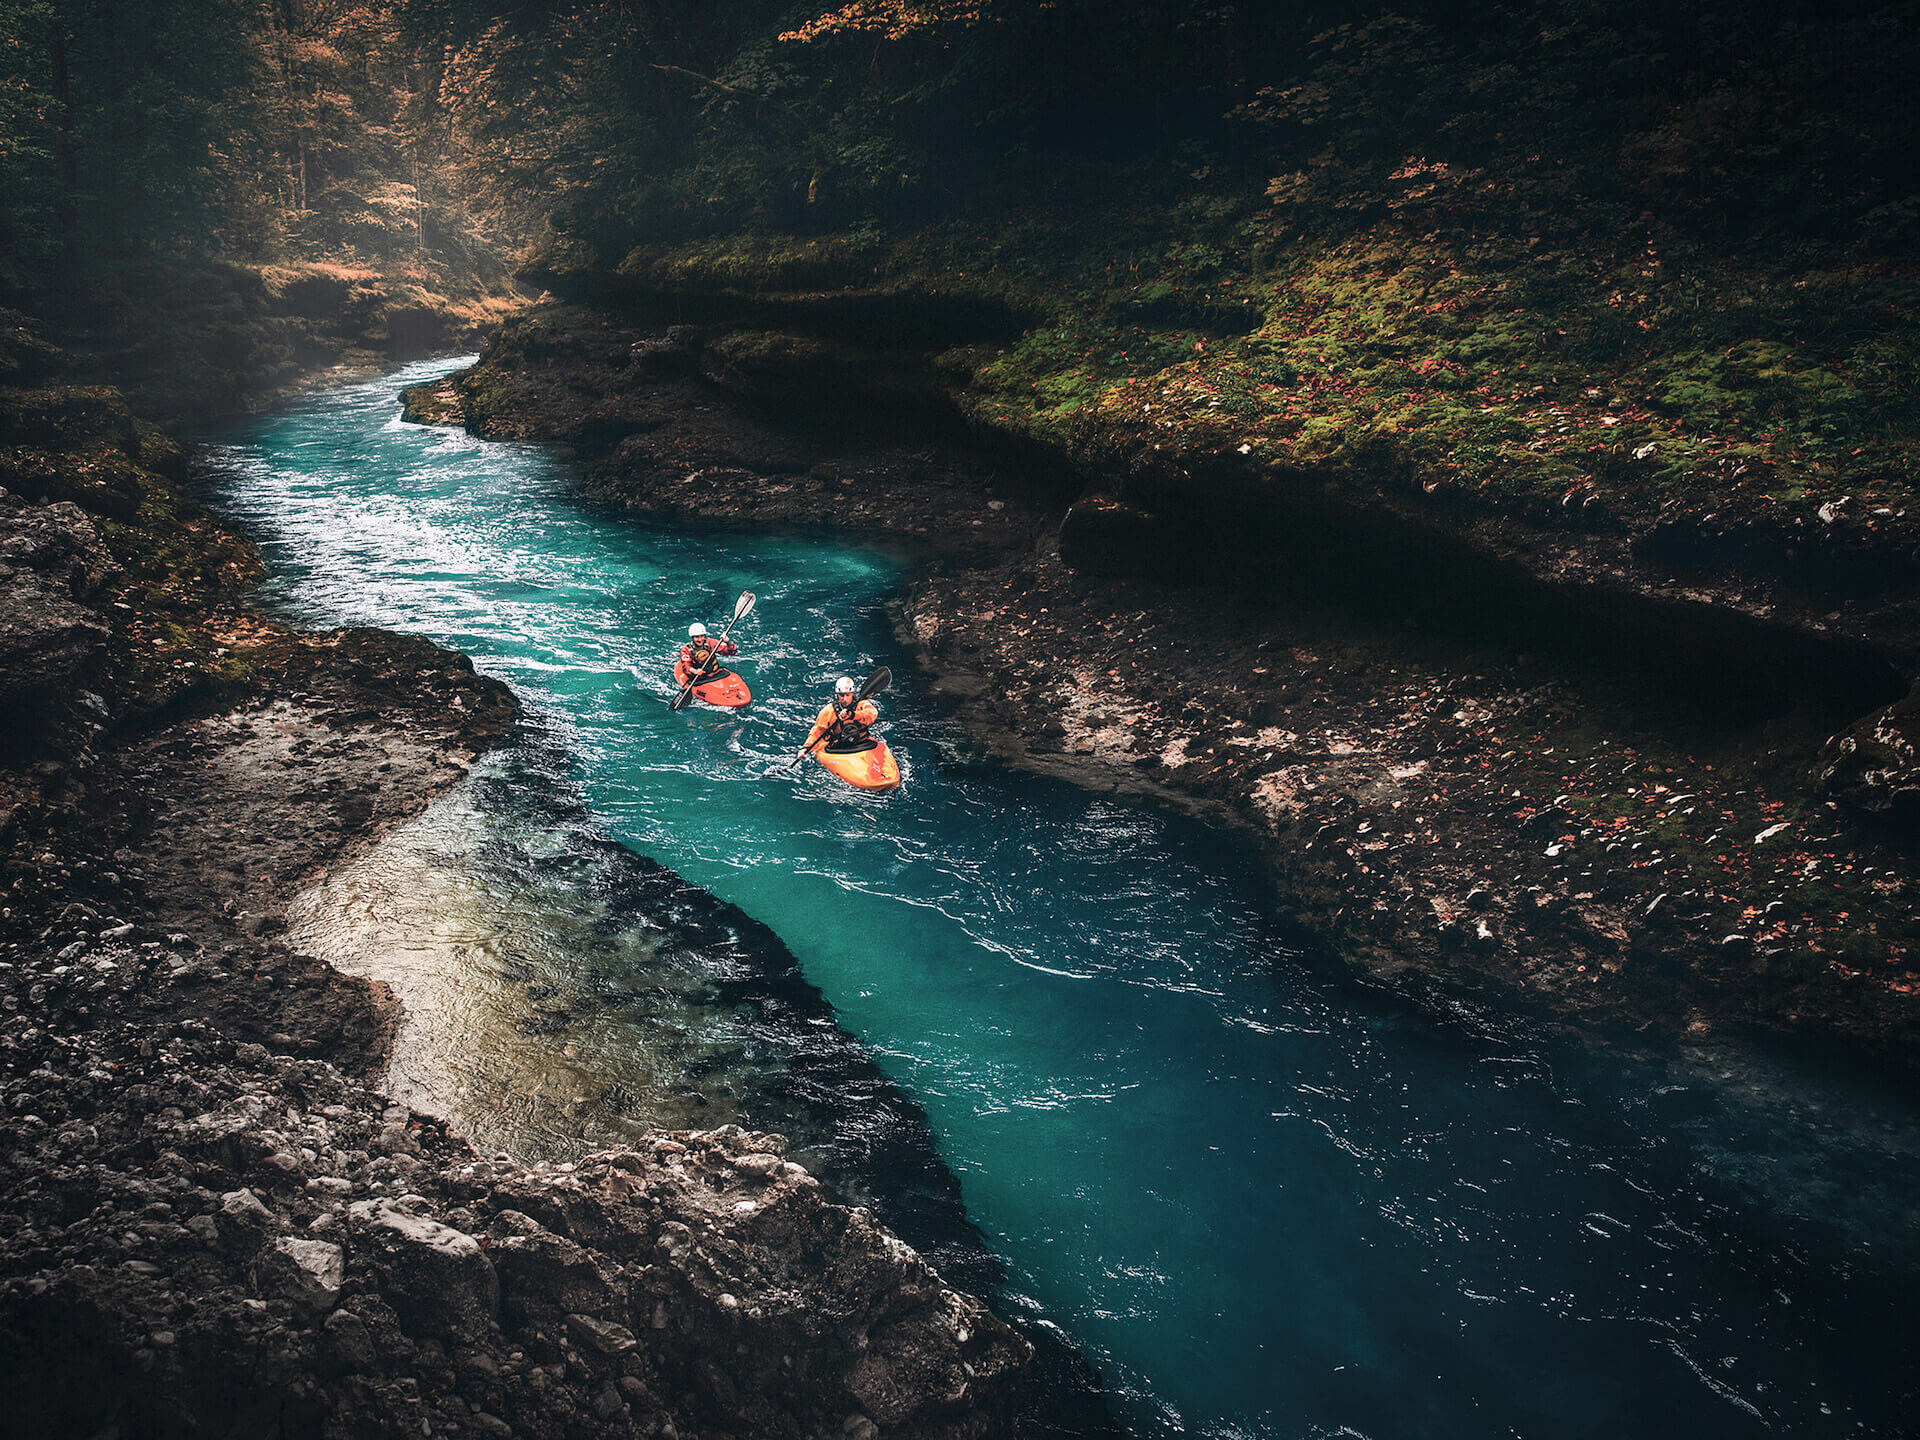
(124, 189)
(66, 160)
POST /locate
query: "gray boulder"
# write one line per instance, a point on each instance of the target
(51, 564)
(1873, 769)
(437, 1278)
(309, 1272)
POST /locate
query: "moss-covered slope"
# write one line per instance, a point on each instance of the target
(1621, 298)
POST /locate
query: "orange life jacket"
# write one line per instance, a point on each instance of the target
(844, 726)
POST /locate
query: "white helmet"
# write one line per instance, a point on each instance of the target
(696, 630)
(844, 685)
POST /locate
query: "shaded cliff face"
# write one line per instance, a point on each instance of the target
(1649, 276)
(1595, 521)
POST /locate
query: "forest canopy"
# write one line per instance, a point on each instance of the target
(242, 129)
(382, 129)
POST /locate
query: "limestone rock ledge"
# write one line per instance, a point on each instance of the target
(207, 1237)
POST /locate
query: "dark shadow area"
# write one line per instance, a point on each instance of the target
(1730, 668)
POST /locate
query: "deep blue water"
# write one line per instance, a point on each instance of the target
(1262, 1202)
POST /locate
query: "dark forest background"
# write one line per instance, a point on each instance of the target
(1709, 210)
(447, 130)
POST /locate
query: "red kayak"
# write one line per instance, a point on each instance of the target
(866, 765)
(722, 687)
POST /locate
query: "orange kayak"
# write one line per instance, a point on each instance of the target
(868, 765)
(723, 687)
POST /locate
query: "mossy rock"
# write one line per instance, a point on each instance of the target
(105, 482)
(435, 403)
(64, 417)
(25, 359)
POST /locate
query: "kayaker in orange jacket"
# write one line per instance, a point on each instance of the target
(702, 649)
(843, 722)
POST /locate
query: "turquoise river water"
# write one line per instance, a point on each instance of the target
(1260, 1200)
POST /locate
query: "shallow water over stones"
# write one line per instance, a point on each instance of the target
(1263, 1202)
(537, 1021)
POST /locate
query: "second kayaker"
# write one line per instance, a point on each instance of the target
(845, 721)
(702, 650)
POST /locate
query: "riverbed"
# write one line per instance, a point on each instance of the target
(1260, 1199)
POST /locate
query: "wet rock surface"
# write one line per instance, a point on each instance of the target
(1434, 814)
(434, 404)
(1469, 795)
(352, 731)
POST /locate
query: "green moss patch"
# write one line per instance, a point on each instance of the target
(1607, 386)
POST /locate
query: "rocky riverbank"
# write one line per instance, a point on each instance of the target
(213, 1220)
(1477, 795)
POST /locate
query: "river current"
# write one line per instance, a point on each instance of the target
(1261, 1201)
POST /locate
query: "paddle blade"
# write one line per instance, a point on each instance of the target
(680, 700)
(743, 605)
(876, 682)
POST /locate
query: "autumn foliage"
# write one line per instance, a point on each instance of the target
(890, 19)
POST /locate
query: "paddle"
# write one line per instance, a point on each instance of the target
(740, 609)
(876, 682)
